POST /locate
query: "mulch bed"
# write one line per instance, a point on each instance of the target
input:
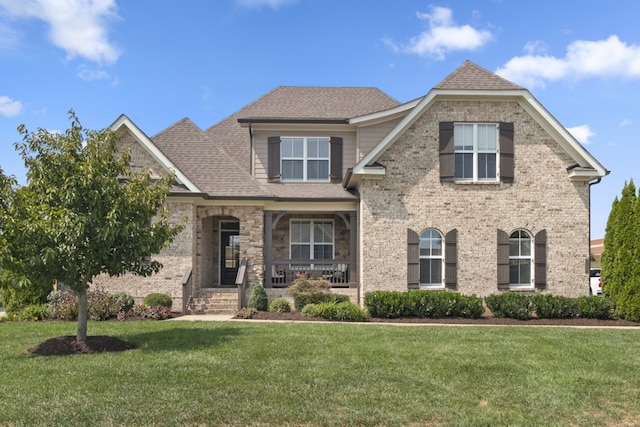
(67, 345)
(486, 319)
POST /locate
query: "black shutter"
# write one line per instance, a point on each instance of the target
(413, 259)
(451, 259)
(506, 152)
(540, 260)
(503, 260)
(273, 161)
(336, 159)
(447, 164)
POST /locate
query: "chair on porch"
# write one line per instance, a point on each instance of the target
(338, 275)
(278, 276)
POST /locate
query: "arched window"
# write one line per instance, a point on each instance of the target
(520, 259)
(431, 259)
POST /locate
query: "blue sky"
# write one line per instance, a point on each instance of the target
(158, 62)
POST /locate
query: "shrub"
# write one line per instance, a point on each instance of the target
(467, 306)
(126, 301)
(280, 305)
(158, 300)
(549, 306)
(34, 312)
(423, 304)
(13, 299)
(154, 312)
(64, 305)
(102, 306)
(246, 313)
(386, 304)
(343, 311)
(511, 305)
(594, 307)
(308, 291)
(258, 298)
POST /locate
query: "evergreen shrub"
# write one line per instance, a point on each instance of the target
(549, 306)
(309, 291)
(279, 305)
(258, 298)
(158, 300)
(511, 305)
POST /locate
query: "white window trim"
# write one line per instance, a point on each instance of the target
(523, 286)
(476, 151)
(311, 242)
(441, 257)
(305, 159)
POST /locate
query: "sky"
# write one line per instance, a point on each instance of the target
(161, 61)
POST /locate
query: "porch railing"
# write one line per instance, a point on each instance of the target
(285, 271)
(241, 281)
(187, 291)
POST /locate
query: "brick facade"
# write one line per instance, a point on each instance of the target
(412, 196)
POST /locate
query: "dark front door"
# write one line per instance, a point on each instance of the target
(230, 257)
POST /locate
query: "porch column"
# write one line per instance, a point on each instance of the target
(268, 236)
(353, 247)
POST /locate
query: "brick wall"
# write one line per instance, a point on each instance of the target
(411, 196)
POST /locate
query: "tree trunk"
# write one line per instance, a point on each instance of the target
(83, 314)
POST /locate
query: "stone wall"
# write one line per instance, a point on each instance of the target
(412, 196)
(176, 261)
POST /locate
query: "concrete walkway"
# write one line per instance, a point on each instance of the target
(204, 317)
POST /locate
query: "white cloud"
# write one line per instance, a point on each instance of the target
(602, 58)
(9, 107)
(582, 133)
(77, 27)
(443, 36)
(273, 4)
(626, 122)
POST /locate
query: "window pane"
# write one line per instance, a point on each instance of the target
(318, 169)
(525, 247)
(323, 252)
(514, 247)
(486, 166)
(519, 272)
(323, 148)
(487, 138)
(323, 232)
(463, 166)
(431, 271)
(300, 231)
(300, 251)
(312, 147)
(463, 137)
(298, 147)
(292, 169)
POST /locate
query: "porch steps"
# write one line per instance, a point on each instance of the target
(214, 302)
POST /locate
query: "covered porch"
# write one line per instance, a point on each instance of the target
(315, 245)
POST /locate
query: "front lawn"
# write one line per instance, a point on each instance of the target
(251, 373)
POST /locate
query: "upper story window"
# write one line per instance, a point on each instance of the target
(305, 159)
(476, 151)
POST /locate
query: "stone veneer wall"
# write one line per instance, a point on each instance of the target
(411, 196)
(251, 219)
(176, 260)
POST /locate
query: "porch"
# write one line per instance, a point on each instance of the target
(312, 245)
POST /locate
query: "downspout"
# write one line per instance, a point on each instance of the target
(597, 181)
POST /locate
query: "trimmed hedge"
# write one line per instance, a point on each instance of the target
(546, 306)
(342, 311)
(158, 300)
(423, 304)
(279, 305)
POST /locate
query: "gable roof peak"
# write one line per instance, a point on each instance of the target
(470, 76)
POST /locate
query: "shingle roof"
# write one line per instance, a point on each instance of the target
(470, 76)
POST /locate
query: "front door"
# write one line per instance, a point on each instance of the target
(230, 257)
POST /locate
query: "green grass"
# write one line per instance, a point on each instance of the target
(317, 374)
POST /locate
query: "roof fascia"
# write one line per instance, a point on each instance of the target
(294, 127)
(252, 120)
(154, 151)
(384, 115)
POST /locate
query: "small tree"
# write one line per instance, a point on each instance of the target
(82, 213)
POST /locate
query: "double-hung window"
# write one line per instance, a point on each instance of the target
(311, 240)
(476, 152)
(431, 259)
(520, 259)
(305, 159)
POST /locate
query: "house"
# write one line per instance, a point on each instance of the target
(473, 187)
